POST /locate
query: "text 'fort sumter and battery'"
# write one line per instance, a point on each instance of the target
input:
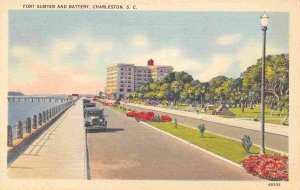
(82, 7)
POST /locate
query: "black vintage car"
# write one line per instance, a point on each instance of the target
(88, 105)
(94, 119)
(85, 100)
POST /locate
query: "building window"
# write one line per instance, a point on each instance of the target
(121, 89)
(129, 90)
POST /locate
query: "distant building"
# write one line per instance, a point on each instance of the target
(122, 79)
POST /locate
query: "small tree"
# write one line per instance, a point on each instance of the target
(175, 123)
(202, 129)
(246, 143)
(157, 118)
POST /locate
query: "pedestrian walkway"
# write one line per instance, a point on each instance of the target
(58, 153)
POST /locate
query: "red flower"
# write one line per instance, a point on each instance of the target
(145, 118)
(132, 114)
(165, 118)
(271, 167)
(136, 114)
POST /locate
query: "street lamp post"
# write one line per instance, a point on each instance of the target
(264, 20)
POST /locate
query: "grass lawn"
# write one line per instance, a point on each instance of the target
(251, 113)
(227, 148)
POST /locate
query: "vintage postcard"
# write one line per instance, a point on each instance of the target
(136, 95)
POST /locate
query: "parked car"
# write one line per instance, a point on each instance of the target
(94, 119)
(85, 100)
(88, 105)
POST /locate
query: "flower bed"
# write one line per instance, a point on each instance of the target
(271, 167)
(107, 103)
(165, 118)
(145, 118)
(136, 114)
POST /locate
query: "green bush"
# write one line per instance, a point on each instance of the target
(246, 143)
(202, 128)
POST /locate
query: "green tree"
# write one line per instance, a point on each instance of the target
(276, 80)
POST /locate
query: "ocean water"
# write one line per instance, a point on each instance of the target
(19, 111)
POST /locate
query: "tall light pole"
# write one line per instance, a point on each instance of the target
(264, 20)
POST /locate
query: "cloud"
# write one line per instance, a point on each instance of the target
(171, 56)
(140, 40)
(251, 51)
(49, 72)
(218, 65)
(226, 40)
(77, 64)
(48, 79)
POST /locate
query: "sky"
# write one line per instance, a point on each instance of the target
(54, 52)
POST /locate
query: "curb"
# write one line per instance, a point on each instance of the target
(87, 172)
(195, 146)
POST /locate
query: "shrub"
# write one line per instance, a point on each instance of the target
(255, 118)
(201, 128)
(175, 123)
(284, 121)
(246, 143)
(266, 166)
(157, 118)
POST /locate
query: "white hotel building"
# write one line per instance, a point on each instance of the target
(122, 79)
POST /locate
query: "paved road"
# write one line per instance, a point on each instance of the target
(58, 153)
(274, 141)
(131, 150)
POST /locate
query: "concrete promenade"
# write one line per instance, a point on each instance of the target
(276, 135)
(56, 154)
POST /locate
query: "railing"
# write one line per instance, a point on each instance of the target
(36, 121)
(37, 99)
